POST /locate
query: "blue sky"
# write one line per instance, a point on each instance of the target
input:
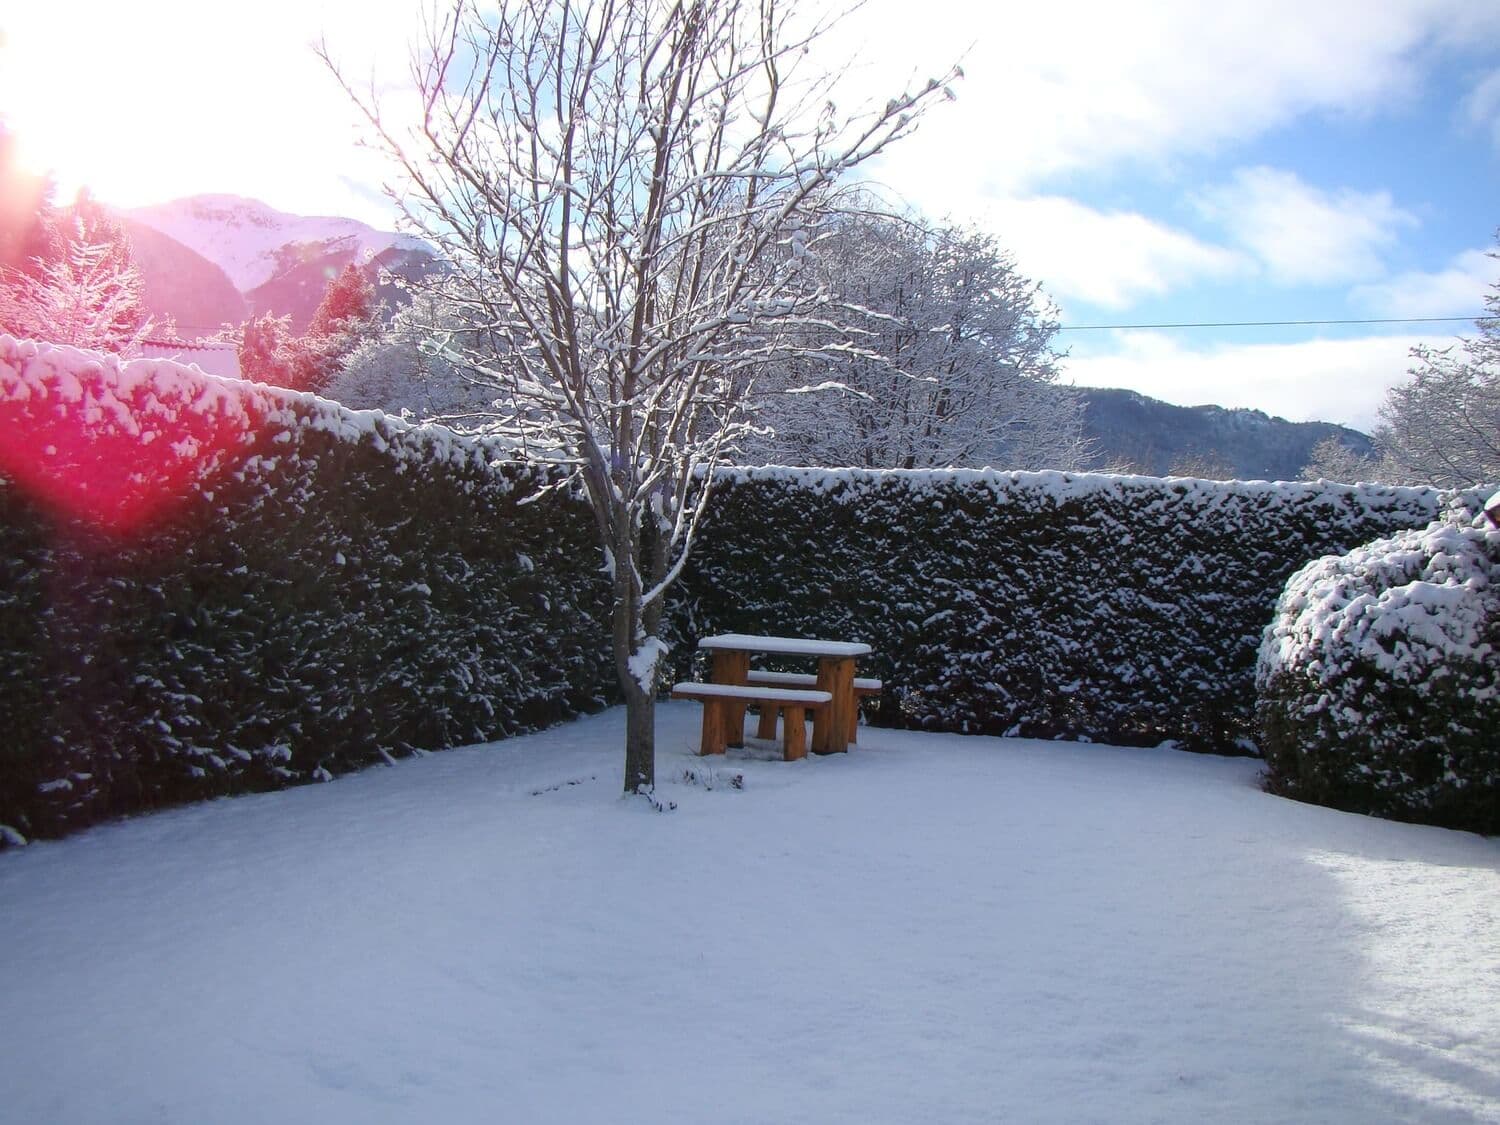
(1171, 162)
(1162, 161)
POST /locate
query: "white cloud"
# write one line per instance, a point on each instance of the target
(1482, 106)
(1341, 381)
(1074, 85)
(1457, 290)
(1107, 258)
(1303, 234)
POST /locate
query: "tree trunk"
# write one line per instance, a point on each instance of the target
(640, 737)
(640, 702)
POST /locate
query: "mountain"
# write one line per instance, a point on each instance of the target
(182, 284)
(278, 262)
(305, 269)
(211, 259)
(1149, 436)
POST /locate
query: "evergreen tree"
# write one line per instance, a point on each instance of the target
(347, 316)
(84, 290)
(348, 308)
(270, 353)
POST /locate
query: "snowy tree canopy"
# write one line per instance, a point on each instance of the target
(85, 290)
(936, 352)
(1441, 426)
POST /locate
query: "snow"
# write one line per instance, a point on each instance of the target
(1060, 486)
(643, 662)
(1406, 605)
(930, 928)
(128, 392)
(743, 691)
(247, 239)
(785, 646)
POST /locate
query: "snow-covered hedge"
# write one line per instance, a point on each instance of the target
(1379, 677)
(210, 587)
(1118, 608)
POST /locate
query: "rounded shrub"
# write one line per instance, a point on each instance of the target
(1378, 679)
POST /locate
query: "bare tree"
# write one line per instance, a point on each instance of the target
(405, 370)
(941, 355)
(1442, 426)
(608, 182)
(1204, 464)
(1333, 460)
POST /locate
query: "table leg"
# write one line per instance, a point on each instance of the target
(831, 724)
(713, 728)
(767, 726)
(732, 668)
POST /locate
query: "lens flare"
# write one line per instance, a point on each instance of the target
(117, 446)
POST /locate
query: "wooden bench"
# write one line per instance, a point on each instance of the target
(863, 688)
(722, 703)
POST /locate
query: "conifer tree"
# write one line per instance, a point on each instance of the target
(348, 308)
(85, 290)
(347, 315)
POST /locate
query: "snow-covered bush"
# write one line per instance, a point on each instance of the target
(1125, 609)
(209, 586)
(1379, 677)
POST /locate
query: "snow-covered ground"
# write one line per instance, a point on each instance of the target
(929, 929)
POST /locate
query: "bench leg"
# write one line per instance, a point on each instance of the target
(713, 728)
(767, 727)
(854, 723)
(793, 733)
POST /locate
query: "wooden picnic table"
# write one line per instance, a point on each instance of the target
(831, 726)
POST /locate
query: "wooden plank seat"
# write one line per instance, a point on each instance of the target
(863, 688)
(723, 702)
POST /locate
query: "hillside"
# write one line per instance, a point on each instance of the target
(182, 284)
(1147, 435)
(305, 269)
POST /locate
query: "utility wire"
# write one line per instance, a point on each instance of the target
(1179, 324)
(1274, 323)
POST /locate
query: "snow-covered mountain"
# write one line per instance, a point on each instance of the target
(183, 285)
(277, 262)
(253, 243)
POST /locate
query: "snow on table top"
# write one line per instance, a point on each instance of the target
(785, 646)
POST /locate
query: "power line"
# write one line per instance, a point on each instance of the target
(1178, 324)
(1274, 323)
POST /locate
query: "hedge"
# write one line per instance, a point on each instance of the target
(1379, 678)
(288, 591)
(213, 587)
(1053, 605)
